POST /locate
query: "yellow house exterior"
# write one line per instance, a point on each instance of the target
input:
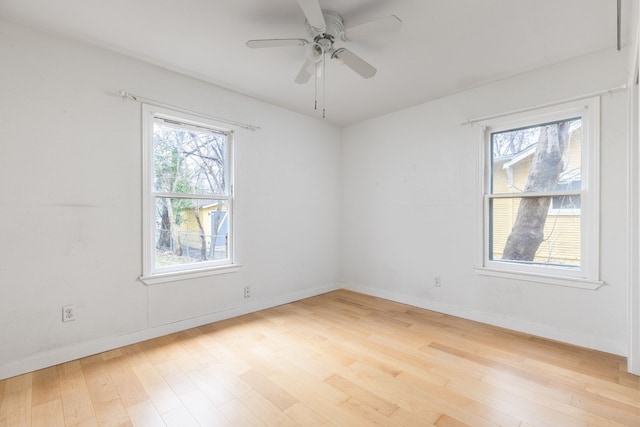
(211, 215)
(561, 244)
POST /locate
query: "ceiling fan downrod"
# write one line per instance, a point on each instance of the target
(319, 59)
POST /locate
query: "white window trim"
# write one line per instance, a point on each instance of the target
(151, 275)
(588, 275)
(159, 278)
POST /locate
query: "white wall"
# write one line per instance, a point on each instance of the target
(70, 207)
(387, 210)
(409, 189)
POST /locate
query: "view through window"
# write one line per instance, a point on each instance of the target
(534, 205)
(189, 193)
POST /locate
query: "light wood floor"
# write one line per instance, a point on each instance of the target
(337, 359)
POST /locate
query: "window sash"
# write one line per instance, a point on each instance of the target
(191, 240)
(560, 254)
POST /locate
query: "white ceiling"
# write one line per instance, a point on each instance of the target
(442, 48)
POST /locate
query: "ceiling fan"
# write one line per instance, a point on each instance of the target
(325, 27)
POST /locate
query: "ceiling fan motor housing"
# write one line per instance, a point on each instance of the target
(325, 40)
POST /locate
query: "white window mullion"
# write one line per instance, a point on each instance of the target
(535, 194)
(191, 196)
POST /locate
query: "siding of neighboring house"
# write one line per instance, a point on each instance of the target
(190, 232)
(561, 232)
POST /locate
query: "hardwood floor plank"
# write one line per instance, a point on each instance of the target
(607, 408)
(230, 381)
(366, 415)
(19, 383)
(209, 385)
(160, 393)
(447, 421)
(48, 414)
(238, 414)
(76, 400)
(126, 383)
(111, 413)
(175, 377)
(15, 409)
(46, 386)
(203, 410)
(523, 405)
(108, 407)
(405, 417)
(491, 364)
(267, 412)
(260, 383)
(145, 414)
(304, 416)
(362, 396)
(179, 416)
(409, 398)
(99, 382)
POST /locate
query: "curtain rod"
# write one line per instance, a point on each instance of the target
(619, 25)
(549, 104)
(126, 95)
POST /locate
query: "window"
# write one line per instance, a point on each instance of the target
(540, 195)
(188, 196)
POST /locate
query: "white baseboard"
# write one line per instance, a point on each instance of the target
(99, 345)
(88, 348)
(570, 337)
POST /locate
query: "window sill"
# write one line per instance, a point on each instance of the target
(573, 282)
(175, 276)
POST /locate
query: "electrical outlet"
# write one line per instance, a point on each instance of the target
(69, 313)
(436, 281)
(247, 292)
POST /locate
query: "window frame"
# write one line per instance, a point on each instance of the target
(587, 276)
(156, 275)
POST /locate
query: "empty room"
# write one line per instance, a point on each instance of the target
(319, 212)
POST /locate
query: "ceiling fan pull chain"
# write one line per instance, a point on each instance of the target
(324, 84)
(315, 86)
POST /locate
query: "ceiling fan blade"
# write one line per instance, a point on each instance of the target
(354, 62)
(257, 44)
(382, 25)
(314, 15)
(305, 72)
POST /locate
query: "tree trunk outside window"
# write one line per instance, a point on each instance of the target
(528, 230)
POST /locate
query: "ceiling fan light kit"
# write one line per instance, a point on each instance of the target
(324, 28)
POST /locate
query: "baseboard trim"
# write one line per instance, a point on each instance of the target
(88, 348)
(556, 334)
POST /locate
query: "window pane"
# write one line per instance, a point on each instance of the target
(558, 244)
(188, 159)
(544, 157)
(567, 202)
(191, 231)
